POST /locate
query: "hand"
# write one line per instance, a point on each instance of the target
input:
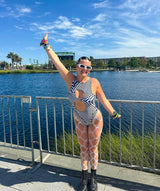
(44, 41)
(119, 116)
(46, 37)
(116, 115)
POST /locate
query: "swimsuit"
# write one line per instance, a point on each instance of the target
(85, 117)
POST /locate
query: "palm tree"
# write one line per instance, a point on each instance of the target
(19, 60)
(11, 55)
(14, 58)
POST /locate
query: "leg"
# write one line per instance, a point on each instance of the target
(82, 134)
(94, 132)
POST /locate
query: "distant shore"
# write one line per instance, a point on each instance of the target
(55, 71)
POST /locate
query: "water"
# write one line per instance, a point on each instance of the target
(116, 85)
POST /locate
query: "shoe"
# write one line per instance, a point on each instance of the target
(84, 181)
(93, 182)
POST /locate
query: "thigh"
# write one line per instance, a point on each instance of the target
(95, 129)
(82, 132)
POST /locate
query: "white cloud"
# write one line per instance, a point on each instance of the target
(18, 27)
(68, 29)
(75, 19)
(101, 4)
(63, 23)
(16, 11)
(24, 10)
(38, 3)
(80, 32)
(146, 7)
(46, 27)
(100, 17)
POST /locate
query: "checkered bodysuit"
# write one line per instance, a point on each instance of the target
(85, 117)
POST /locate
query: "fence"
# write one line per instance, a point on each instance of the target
(131, 141)
(16, 122)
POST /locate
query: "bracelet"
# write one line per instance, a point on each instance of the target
(44, 42)
(47, 46)
(115, 115)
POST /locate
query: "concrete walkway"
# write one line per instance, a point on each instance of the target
(60, 173)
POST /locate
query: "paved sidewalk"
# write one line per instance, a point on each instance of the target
(55, 175)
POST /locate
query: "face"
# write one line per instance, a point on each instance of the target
(83, 71)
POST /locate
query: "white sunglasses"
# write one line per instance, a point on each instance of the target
(83, 66)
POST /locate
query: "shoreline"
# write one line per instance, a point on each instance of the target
(55, 71)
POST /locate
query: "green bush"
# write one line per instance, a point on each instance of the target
(29, 67)
(148, 154)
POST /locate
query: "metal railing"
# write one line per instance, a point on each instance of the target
(131, 131)
(53, 129)
(14, 113)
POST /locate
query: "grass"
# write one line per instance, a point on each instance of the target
(26, 71)
(148, 151)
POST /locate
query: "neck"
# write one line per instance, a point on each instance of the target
(82, 79)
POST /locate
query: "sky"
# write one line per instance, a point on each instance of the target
(98, 28)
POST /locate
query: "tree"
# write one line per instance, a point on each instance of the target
(118, 64)
(150, 63)
(69, 63)
(3, 64)
(134, 63)
(12, 57)
(111, 63)
(29, 67)
(158, 62)
(17, 59)
(92, 61)
(100, 64)
(143, 62)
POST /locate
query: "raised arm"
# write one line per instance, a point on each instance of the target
(103, 100)
(66, 74)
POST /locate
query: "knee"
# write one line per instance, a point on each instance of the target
(84, 149)
(93, 149)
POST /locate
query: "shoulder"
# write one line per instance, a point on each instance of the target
(70, 80)
(95, 82)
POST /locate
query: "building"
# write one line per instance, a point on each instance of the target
(123, 59)
(66, 55)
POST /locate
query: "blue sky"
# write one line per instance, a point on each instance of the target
(98, 28)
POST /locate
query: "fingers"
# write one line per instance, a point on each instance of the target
(46, 36)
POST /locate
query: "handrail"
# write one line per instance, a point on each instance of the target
(54, 119)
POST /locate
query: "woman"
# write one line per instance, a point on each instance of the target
(82, 91)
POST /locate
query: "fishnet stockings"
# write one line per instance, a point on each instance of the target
(88, 137)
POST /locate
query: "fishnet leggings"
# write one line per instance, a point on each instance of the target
(88, 137)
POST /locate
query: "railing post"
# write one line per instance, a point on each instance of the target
(120, 135)
(72, 129)
(155, 129)
(64, 144)
(55, 127)
(47, 133)
(31, 132)
(142, 136)
(110, 153)
(4, 129)
(16, 122)
(131, 133)
(39, 131)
